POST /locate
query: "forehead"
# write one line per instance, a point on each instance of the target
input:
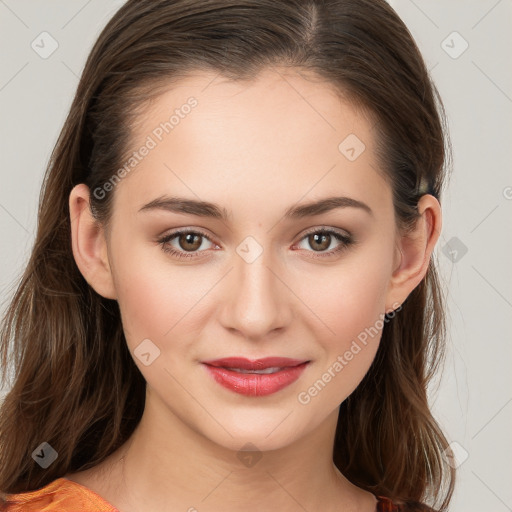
(276, 138)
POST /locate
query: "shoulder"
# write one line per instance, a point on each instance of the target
(387, 505)
(416, 507)
(60, 495)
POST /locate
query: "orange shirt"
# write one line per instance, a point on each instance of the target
(63, 495)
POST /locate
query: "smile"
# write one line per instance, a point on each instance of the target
(255, 378)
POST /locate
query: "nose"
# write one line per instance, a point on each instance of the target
(256, 300)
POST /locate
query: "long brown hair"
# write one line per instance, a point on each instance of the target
(75, 383)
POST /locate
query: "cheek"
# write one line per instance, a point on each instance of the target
(349, 305)
(156, 300)
(349, 297)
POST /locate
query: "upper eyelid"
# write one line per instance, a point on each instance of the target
(340, 231)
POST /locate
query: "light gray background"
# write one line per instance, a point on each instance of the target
(473, 399)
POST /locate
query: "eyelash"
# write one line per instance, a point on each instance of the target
(345, 240)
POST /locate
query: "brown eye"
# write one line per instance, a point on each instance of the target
(322, 239)
(319, 241)
(190, 241)
(187, 243)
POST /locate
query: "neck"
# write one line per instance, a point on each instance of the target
(166, 464)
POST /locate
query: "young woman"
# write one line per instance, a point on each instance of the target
(232, 302)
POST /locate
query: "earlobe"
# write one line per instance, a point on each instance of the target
(89, 244)
(415, 250)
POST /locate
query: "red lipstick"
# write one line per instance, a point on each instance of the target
(258, 377)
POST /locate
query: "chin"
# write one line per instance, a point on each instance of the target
(263, 435)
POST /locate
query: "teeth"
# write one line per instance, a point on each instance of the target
(266, 370)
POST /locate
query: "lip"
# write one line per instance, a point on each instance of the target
(255, 364)
(251, 384)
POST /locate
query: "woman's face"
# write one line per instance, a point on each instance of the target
(257, 283)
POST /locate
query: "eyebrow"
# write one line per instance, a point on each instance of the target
(207, 209)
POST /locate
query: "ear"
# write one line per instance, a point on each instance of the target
(414, 252)
(89, 243)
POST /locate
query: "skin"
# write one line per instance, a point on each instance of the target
(255, 148)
